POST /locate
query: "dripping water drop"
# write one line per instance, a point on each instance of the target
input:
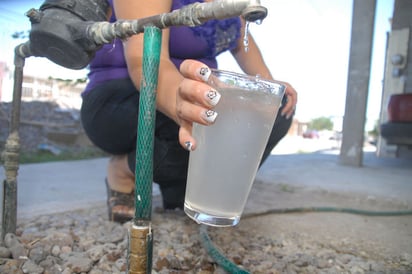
(246, 37)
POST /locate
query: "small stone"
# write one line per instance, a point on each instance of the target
(121, 264)
(55, 250)
(66, 249)
(16, 248)
(55, 269)
(78, 262)
(322, 263)
(31, 268)
(67, 271)
(406, 259)
(205, 272)
(11, 266)
(346, 258)
(95, 271)
(237, 259)
(95, 253)
(161, 263)
(356, 270)
(60, 239)
(38, 254)
(4, 252)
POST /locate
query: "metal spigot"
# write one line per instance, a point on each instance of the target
(254, 12)
(250, 10)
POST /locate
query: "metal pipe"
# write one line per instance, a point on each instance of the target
(191, 15)
(10, 154)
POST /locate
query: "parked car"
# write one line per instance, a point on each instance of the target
(311, 134)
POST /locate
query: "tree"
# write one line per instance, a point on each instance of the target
(321, 123)
(375, 131)
(21, 34)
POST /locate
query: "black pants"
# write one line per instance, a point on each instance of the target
(109, 115)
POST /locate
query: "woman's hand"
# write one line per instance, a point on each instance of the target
(195, 101)
(292, 99)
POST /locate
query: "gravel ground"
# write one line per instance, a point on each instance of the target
(86, 242)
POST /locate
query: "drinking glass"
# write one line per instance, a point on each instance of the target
(223, 166)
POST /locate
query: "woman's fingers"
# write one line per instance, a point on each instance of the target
(292, 99)
(198, 93)
(195, 113)
(195, 70)
(186, 139)
(195, 101)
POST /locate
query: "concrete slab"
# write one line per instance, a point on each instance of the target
(61, 186)
(383, 178)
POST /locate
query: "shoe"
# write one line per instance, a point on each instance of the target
(173, 196)
(120, 205)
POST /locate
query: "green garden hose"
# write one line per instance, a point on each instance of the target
(140, 250)
(329, 209)
(146, 123)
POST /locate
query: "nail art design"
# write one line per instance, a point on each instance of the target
(204, 73)
(188, 145)
(209, 116)
(213, 96)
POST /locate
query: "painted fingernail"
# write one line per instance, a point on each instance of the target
(213, 96)
(188, 146)
(204, 73)
(209, 116)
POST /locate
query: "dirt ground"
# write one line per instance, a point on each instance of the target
(308, 242)
(380, 237)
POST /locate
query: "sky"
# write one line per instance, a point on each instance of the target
(304, 42)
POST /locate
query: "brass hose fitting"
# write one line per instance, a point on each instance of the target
(140, 249)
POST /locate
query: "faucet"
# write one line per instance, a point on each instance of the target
(254, 11)
(250, 10)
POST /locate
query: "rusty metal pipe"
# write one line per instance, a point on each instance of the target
(191, 15)
(10, 154)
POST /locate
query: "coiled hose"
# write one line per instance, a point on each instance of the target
(231, 267)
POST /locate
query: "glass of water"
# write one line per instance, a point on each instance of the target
(224, 165)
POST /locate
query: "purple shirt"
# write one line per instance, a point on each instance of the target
(201, 43)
